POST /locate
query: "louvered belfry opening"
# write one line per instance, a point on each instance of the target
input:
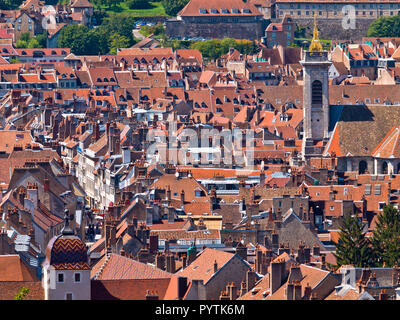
(316, 92)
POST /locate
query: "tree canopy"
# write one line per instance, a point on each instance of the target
(353, 247)
(385, 27)
(172, 7)
(386, 237)
(215, 48)
(114, 32)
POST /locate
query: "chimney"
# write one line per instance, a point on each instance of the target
(160, 261)
(250, 279)
(233, 292)
(297, 291)
(182, 198)
(149, 216)
(276, 275)
(307, 292)
(32, 191)
(383, 295)
(126, 155)
(151, 295)
(171, 268)
(46, 185)
(262, 177)
(182, 287)
(289, 291)
(171, 214)
(215, 266)
(316, 250)
(153, 241)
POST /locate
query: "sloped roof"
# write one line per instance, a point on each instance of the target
(13, 269)
(117, 267)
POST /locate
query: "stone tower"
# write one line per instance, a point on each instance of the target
(315, 98)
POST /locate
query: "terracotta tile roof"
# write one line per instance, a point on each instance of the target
(309, 276)
(13, 269)
(9, 289)
(188, 235)
(177, 185)
(11, 138)
(128, 289)
(389, 147)
(116, 267)
(202, 268)
(192, 9)
(260, 290)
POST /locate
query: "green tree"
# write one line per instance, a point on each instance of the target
(216, 47)
(33, 43)
(172, 7)
(386, 237)
(21, 44)
(120, 23)
(352, 246)
(22, 293)
(80, 39)
(118, 41)
(42, 39)
(385, 27)
(139, 4)
(25, 36)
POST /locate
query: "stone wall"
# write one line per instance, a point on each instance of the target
(250, 31)
(331, 29)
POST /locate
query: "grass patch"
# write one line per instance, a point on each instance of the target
(156, 10)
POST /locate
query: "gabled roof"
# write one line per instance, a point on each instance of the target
(202, 268)
(117, 267)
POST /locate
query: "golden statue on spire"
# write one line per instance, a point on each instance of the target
(315, 43)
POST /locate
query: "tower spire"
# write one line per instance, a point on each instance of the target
(315, 43)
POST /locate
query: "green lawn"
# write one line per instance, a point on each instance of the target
(157, 10)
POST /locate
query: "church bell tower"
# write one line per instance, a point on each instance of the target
(315, 97)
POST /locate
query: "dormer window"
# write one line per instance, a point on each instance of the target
(235, 10)
(53, 52)
(224, 10)
(105, 80)
(203, 11)
(98, 80)
(214, 11)
(245, 10)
